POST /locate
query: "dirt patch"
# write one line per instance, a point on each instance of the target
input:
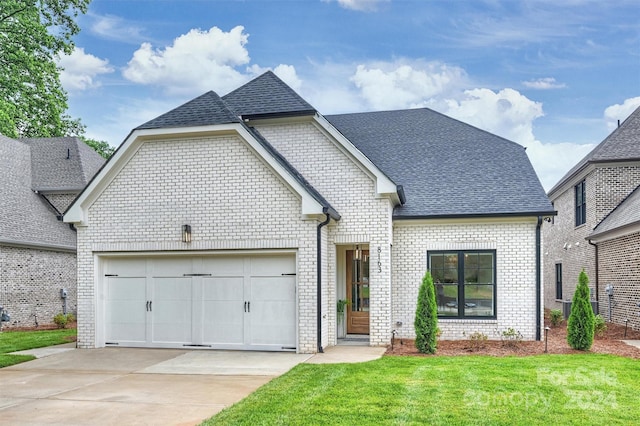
(609, 343)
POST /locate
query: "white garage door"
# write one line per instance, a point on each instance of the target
(221, 302)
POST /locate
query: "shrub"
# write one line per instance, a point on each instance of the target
(599, 326)
(426, 320)
(477, 340)
(555, 316)
(61, 320)
(580, 326)
(511, 337)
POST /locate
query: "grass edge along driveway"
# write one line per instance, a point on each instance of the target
(546, 389)
(12, 341)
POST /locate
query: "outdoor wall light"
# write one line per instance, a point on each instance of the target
(186, 233)
(357, 254)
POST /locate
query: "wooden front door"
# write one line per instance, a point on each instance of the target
(358, 292)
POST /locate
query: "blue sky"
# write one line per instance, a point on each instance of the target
(554, 76)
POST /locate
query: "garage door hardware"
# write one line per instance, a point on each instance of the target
(149, 302)
(196, 346)
(196, 275)
(110, 275)
(289, 275)
(247, 306)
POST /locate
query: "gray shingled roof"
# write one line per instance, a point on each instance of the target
(206, 109)
(625, 214)
(446, 167)
(267, 95)
(621, 145)
(27, 218)
(65, 163)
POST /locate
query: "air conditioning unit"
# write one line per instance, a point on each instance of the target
(566, 308)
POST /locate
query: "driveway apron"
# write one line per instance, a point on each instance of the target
(116, 386)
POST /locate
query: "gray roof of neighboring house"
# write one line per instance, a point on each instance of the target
(625, 214)
(61, 164)
(267, 95)
(623, 144)
(27, 217)
(446, 167)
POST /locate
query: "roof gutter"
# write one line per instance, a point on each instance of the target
(538, 280)
(319, 283)
(597, 269)
(476, 215)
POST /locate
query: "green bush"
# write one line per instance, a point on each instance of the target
(555, 316)
(426, 320)
(599, 325)
(580, 326)
(61, 320)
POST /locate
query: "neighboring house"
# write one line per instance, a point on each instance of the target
(40, 179)
(596, 227)
(239, 222)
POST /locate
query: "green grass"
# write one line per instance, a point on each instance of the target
(476, 390)
(12, 341)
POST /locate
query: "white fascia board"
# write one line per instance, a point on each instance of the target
(78, 213)
(384, 185)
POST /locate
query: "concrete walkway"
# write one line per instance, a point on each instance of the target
(635, 343)
(116, 386)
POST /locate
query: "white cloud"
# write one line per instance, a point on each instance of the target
(506, 113)
(79, 70)
(546, 83)
(403, 84)
(196, 62)
(552, 161)
(620, 112)
(115, 28)
(359, 5)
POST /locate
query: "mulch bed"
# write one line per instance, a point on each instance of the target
(609, 343)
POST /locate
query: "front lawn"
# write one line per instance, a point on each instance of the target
(546, 389)
(12, 341)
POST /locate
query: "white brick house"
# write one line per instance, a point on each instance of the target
(288, 211)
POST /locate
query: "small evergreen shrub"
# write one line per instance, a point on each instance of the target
(555, 316)
(426, 320)
(580, 326)
(599, 325)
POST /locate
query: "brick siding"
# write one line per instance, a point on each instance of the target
(30, 283)
(515, 247)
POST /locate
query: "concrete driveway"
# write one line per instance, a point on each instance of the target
(116, 386)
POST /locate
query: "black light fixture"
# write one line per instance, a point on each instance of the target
(186, 233)
(357, 254)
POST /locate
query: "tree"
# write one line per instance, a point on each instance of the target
(32, 34)
(581, 320)
(101, 147)
(426, 321)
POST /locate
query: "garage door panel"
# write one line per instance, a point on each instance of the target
(126, 267)
(272, 265)
(224, 322)
(125, 315)
(172, 267)
(223, 266)
(272, 288)
(223, 288)
(172, 310)
(271, 323)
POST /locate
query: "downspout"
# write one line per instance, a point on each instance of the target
(596, 281)
(538, 280)
(319, 286)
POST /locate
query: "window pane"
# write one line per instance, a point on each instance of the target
(485, 260)
(447, 299)
(478, 300)
(450, 276)
(436, 261)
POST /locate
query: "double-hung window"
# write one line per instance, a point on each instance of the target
(559, 281)
(581, 203)
(465, 283)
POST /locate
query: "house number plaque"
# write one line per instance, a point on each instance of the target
(379, 261)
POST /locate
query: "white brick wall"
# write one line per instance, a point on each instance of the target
(515, 245)
(219, 187)
(366, 220)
